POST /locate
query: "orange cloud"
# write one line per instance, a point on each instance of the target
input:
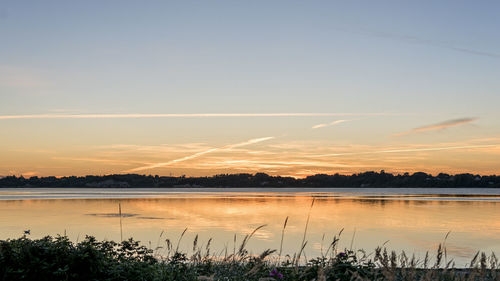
(198, 154)
(439, 126)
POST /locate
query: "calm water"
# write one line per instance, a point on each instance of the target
(414, 220)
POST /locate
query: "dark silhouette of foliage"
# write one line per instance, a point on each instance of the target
(365, 179)
(58, 259)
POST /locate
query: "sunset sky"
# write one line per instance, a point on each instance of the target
(288, 88)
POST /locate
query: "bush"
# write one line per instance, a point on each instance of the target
(57, 259)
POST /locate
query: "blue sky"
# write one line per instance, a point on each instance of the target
(415, 64)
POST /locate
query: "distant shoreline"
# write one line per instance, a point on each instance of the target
(351, 193)
(260, 180)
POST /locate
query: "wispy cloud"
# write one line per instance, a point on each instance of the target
(30, 174)
(333, 123)
(249, 142)
(438, 126)
(99, 160)
(402, 150)
(271, 163)
(152, 150)
(184, 115)
(280, 157)
(424, 41)
(201, 153)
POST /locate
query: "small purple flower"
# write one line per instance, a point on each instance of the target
(342, 255)
(276, 273)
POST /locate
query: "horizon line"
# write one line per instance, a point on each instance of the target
(255, 173)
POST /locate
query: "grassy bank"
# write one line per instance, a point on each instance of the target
(57, 258)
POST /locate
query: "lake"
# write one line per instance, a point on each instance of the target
(414, 220)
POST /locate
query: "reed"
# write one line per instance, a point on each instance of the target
(20, 259)
(282, 238)
(304, 242)
(120, 215)
(57, 258)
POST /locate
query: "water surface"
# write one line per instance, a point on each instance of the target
(414, 220)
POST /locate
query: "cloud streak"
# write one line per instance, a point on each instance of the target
(201, 153)
(183, 115)
(99, 160)
(336, 122)
(409, 150)
(424, 41)
(438, 126)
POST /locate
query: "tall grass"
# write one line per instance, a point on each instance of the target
(57, 258)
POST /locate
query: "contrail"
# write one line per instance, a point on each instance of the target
(184, 115)
(423, 41)
(198, 154)
(439, 126)
(407, 150)
(336, 122)
(249, 142)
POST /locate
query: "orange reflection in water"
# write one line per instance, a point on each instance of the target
(414, 224)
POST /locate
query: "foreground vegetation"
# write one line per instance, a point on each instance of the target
(366, 179)
(57, 258)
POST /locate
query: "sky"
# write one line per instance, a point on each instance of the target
(289, 88)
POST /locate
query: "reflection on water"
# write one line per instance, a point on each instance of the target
(412, 222)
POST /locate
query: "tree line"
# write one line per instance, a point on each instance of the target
(365, 179)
